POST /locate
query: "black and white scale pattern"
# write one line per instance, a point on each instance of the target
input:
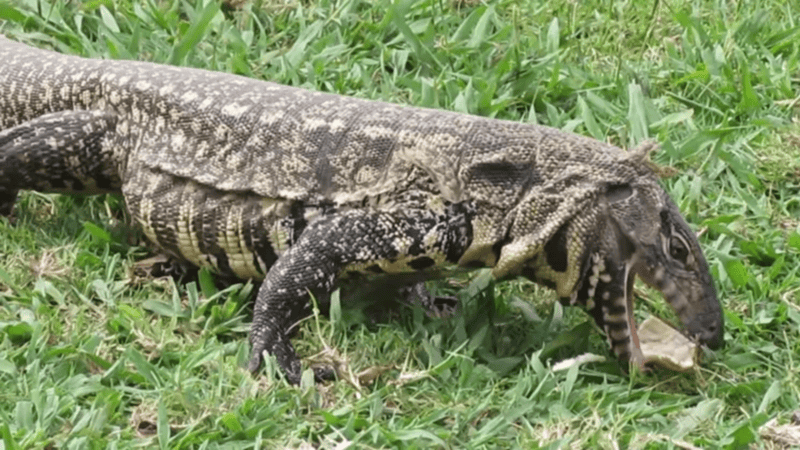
(260, 180)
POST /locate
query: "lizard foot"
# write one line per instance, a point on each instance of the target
(284, 355)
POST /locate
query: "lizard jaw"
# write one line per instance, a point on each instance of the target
(609, 292)
(625, 340)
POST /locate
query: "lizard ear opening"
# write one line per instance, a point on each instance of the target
(618, 192)
(627, 242)
(504, 174)
(625, 237)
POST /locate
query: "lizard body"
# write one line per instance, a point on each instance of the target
(299, 188)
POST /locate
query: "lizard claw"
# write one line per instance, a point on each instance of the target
(284, 355)
(255, 362)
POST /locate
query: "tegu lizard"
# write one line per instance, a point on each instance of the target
(300, 188)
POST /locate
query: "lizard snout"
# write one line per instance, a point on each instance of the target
(708, 330)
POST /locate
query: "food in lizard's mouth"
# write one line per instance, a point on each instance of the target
(658, 344)
(665, 346)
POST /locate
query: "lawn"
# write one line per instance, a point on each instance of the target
(97, 353)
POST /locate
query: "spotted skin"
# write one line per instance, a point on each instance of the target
(301, 188)
(324, 251)
(67, 145)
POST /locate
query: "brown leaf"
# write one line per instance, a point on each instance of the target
(665, 346)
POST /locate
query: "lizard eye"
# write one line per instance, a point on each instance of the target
(678, 249)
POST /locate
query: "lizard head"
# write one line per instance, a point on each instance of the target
(663, 251)
(589, 239)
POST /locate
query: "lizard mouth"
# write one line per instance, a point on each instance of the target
(660, 343)
(656, 342)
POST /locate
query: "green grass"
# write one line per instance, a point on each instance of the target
(92, 356)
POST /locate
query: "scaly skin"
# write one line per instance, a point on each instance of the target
(259, 180)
